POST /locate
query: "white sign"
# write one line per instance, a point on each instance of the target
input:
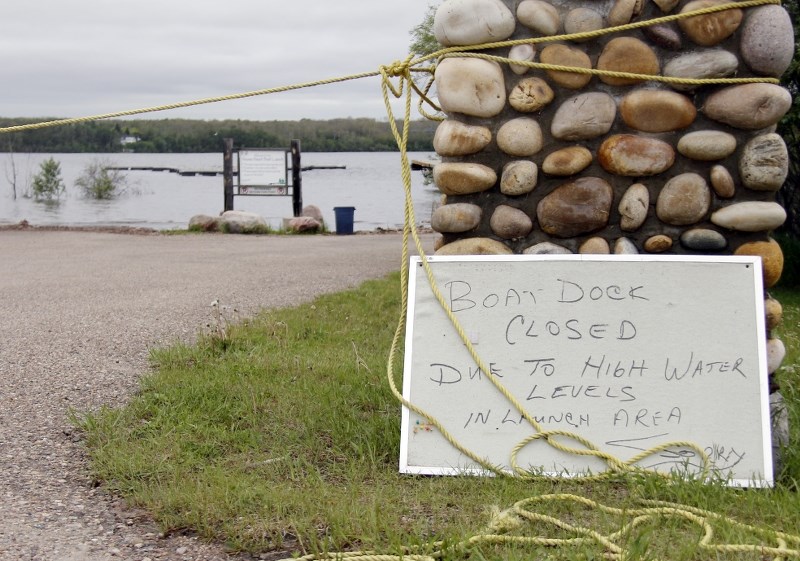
(262, 167)
(630, 353)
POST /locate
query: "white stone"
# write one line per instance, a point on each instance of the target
(581, 20)
(471, 22)
(546, 248)
(524, 53)
(633, 207)
(750, 216)
(584, 116)
(471, 86)
(454, 138)
(520, 137)
(540, 16)
(707, 145)
(776, 351)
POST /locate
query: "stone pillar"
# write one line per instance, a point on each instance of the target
(541, 161)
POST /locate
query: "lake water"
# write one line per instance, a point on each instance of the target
(371, 183)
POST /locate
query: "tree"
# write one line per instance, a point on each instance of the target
(47, 183)
(423, 41)
(98, 181)
(789, 129)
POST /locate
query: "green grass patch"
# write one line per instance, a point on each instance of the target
(280, 433)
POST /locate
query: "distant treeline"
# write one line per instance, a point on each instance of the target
(186, 135)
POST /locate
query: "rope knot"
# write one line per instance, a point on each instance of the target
(398, 68)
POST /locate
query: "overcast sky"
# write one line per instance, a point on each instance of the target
(63, 58)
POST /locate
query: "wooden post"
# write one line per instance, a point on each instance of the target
(227, 173)
(297, 180)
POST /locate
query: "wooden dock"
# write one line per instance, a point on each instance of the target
(192, 173)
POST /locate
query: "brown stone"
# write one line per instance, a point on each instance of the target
(575, 208)
(564, 55)
(710, 29)
(623, 11)
(530, 94)
(454, 138)
(722, 182)
(664, 36)
(658, 244)
(627, 54)
(567, 161)
(652, 110)
(773, 312)
(456, 218)
(635, 156)
(510, 223)
(475, 246)
(594, 246)
(463, 178)
(771, 259)
(685, 199)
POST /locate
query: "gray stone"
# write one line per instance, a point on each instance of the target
(703, 239)
(633, 207)
(666, 6)
(510, 223)
(313, 211)
(685, 199)
(240, 222)
(475, 246)
(519, 177)
(776, 352)
(750, 216)
(707, 145)
(624, 246)
(709, 63)
(575, 208)
(767, 43)
(520, 137)
(779, 417)
(456, 217)
(764, 163)
(454, 178)
(203, 223)
(546, 248)
(542, 17)
(582, 20)
(664, 36)
(454, 138)
(471, 22)
(524, 53)
(304, 224)
(749, 106)
(471, 86)
(584, 116)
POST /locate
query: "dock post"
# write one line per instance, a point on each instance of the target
(297, 180)
(227, 173)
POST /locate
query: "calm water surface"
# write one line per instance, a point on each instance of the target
(371, 183)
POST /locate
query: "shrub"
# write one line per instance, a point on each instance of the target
(99, 181)
(47, 183)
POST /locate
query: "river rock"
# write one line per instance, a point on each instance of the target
(771, 259)
(454, 178)
(471, 22)
(633, 207)
(703, 239)
(575, 208)
(664, 36)
(456, 217)
(475, 246)
(241, 222)
(546, 248)
(722, 182)
(594, 246)
(520, 137)
(749, 106)
(510, 223)
(709, 63)
(582, 20)
(658, 244)
(567, 161)
(584, 116)
(666, 6)
(542, 17)
(685, 199)
(524, 53)
(627, 54)
(530, 94)
(623, 11)
(709, 29)
(203, 223)
(773, 312)
(767, 43)
(707, 145)
(750, 216)
(624, 246)
(304, 224)
(565, 55)
(652, 110)
(471, 86)
(519, 177)
(454, 138)
(313, 211)
(776, 352)
(764, 163)
(635, 156)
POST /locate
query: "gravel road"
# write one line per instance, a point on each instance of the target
(79, 312)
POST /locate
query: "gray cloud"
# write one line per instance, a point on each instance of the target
(69, 59)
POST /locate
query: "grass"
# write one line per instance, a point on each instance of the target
(280, 434)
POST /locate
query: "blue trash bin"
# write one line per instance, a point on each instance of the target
(344, 219)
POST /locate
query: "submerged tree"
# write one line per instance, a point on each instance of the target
(99, 181)
(47, 184)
